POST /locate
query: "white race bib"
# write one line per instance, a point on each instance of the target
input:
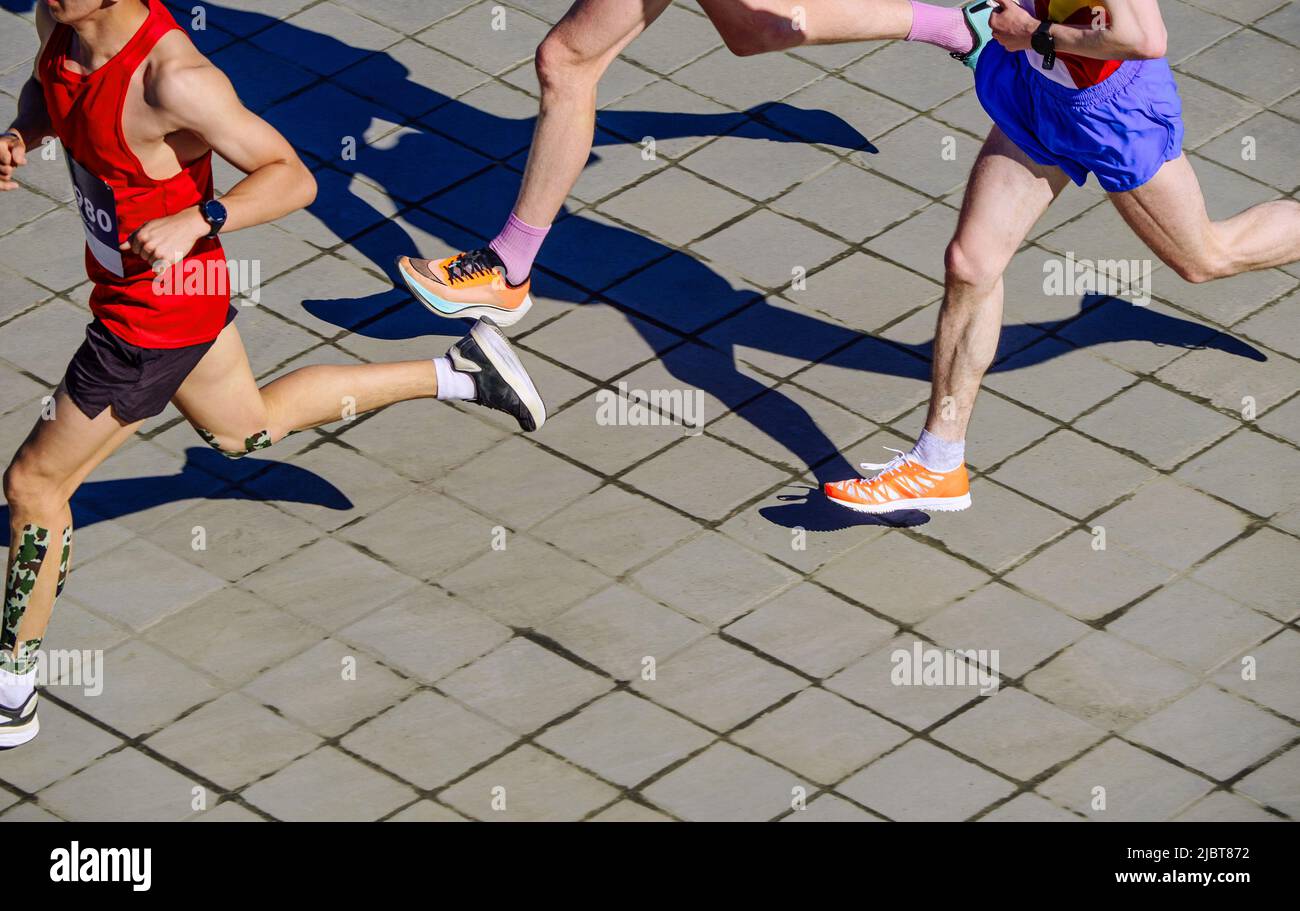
(98, 210)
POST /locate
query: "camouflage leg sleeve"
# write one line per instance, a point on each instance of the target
(259, 440)
(26, 566)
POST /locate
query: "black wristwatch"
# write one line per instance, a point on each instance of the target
(214, 213)
(1044, 43)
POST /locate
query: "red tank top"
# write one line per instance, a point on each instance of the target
(187, 304)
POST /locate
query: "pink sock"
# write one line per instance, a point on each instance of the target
(941, 26)
(517, 245)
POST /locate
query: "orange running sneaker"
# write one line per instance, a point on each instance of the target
(468, 285)
(903, 483)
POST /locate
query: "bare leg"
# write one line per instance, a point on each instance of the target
(221, 396)
(50, 465)
(570, 62)
(1007, 193)
(1168, 213)
(576, 53)
(759, 26)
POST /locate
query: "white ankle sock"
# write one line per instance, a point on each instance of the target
(938, 454)
(452, 384)
(15, 688)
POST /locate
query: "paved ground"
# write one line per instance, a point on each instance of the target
(420, 615)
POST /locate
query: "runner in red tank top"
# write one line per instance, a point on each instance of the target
(117, 194)
(139, 112)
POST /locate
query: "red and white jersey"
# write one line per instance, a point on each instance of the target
(1072, 70)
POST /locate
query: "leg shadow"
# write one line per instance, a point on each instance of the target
(100, 501)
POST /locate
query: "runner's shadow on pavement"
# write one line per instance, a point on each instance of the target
(1113, 319)
(458, 170)
(206, 475)
(455, 170)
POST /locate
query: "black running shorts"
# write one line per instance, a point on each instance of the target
(137, 382)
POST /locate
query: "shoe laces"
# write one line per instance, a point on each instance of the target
(466, 266)
(884, 469)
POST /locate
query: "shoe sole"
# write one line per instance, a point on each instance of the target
(971, 60)
(451, 310)
(17, 736)
(497, 350)
(932, 504)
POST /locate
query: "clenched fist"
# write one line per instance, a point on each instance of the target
(13, 153)
(1012, 26)
(167, 240)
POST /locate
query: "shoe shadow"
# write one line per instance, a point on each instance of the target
(812, 511)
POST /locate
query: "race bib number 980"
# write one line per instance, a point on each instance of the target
(98, 211)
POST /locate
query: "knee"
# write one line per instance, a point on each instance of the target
(967, 265)
(753, 31)
(233, 445)
(564, 68)
(1205, 261)
(29, 490)
(1199, 269)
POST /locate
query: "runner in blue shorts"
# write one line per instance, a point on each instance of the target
(1074, 87)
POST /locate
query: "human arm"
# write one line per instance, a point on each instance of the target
(1130, 30)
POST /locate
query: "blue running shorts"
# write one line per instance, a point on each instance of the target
(1122, 129)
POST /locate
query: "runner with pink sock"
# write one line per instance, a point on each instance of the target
(494, 281)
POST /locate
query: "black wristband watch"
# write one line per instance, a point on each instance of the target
(214, 213)
(1043, 42)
